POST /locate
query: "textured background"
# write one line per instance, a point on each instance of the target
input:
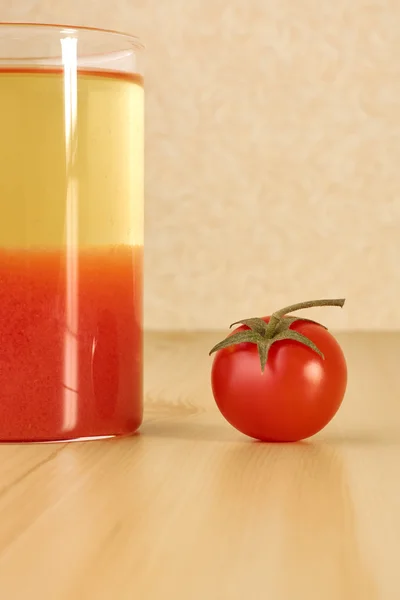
(273, 146)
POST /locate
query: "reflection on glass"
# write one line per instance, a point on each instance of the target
(71, 363)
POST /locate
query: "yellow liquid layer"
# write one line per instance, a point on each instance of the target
(71, 156)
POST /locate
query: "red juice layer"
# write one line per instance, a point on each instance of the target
(71, 343)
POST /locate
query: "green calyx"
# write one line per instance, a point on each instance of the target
(278, 329)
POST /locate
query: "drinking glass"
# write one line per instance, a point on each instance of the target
(71, 233)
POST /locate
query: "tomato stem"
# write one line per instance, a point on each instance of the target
(276, 330)
(276, 317)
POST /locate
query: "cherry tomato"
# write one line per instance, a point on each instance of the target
(295, 393)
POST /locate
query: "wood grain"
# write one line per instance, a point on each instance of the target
(192, 510)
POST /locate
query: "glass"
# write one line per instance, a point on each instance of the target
(71, 233)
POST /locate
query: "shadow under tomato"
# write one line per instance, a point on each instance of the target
(189, 428)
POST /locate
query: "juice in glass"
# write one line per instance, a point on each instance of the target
(71, 239)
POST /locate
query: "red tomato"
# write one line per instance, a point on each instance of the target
(297, 394)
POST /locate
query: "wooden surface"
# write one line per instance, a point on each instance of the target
(192, 510)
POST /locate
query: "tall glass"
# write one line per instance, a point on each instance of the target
(71, 233)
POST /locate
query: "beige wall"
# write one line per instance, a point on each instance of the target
(273, 153)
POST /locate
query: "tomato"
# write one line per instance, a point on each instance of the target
(292, 393)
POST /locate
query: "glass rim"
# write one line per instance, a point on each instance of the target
(71, 29)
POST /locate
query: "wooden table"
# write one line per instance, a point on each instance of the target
(192, 510)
